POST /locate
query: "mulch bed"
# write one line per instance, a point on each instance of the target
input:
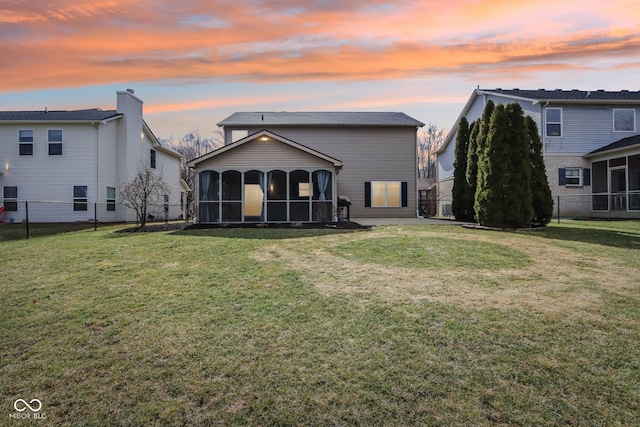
(286, 225)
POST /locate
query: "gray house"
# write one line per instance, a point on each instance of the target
(293, 167)
(590, 142)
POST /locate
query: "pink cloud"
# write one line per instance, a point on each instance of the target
(70, 43)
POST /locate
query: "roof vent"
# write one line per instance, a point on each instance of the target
(46, 109)
(131, 91)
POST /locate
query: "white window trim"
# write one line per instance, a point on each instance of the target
(238, 134)
(80, 200)
(111, 201)
(49, 142)
(613, 118)
(579, 184)
(386, 194)
(561, 123)
(6, 200)
(25, 142)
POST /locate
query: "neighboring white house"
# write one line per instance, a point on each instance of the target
(294, 166)
(79, 159)
(590, 142)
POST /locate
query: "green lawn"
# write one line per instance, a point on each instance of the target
(415, 325)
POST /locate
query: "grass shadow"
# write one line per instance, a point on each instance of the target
(614, 237)
(261, 233)
(10, 232)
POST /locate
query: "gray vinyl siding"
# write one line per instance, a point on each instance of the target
(585, 129)
(263, 155)
(45, 178)
(97, 155)
(382, 153)
(107, 169)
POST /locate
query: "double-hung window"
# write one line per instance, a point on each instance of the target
(111, 199)
(152, 159)
(25, 140)
(553, 122)
(55, 142)
(80, 198)
(624, 120)
(572, 176)
(10, 195)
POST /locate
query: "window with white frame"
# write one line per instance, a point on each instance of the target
(624, 120)
(553, 122)
(572, 177)
(10, 195)
(237, 135)
(55, 142)
(152, 159)
(25, 140)
(111, 199)
(80, 197)
(386, 194)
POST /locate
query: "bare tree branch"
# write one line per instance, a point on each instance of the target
(429, 141)
(191, 146)
(147, 188)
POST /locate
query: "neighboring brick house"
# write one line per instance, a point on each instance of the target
(78, 159)
(590, 141)
(293, 167)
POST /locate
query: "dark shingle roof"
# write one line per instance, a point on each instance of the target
(94, 114)
(569, 95)
(623, 143)
(320, 119)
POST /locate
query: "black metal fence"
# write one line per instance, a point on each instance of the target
(32, 218)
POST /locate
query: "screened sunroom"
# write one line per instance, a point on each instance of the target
(266, 178)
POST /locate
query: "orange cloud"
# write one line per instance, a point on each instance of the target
(69, 43)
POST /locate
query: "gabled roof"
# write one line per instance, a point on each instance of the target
(320, 119)
(265, 133)
(543, 95)
(618, 145)
(91, 115)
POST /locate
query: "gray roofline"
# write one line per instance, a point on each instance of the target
(411, 122)
(336, 163)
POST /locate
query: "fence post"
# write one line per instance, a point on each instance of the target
(26, 210)
(558, 209)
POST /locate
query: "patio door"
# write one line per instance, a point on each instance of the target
(618, 189)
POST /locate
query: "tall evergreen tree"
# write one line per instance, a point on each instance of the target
(458, 205)
(483, 131)
(503, 195)
(481, 139)
(541, 198)
(472, 168)
(518, 200)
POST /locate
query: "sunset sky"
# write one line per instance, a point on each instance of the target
(194, 62)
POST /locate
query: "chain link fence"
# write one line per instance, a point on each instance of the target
(617, 206)
(36, 218)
